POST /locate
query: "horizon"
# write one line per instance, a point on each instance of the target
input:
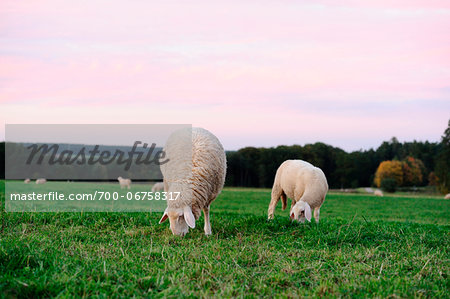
(350, 75)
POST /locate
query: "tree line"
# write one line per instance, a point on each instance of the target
(256, 167)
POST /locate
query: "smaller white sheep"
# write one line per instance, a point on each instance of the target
(158, 187)
(124, 183)
(378, 193)
(41, 181)
(305, 184)
(27, 181)
(447, 196)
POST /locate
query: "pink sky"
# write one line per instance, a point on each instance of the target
(255, 73)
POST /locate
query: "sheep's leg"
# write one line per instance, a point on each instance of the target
(283, 201)
(316, 214)
(276, 194)
(207, 222)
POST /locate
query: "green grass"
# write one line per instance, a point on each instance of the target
(364, 246)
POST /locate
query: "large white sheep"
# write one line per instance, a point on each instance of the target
(304, 184)
(447, 196)
(378, 192)
(198, 176)
(158, 187)
(124, 183)
(41, 181)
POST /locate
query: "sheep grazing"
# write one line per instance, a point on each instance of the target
(124, 183)
(158, 187)
(447, 196)
(27, 181)
(378, 193)
(305, 184)
(198, 176)
(41, 181)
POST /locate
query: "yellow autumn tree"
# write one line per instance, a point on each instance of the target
(412, 171)
(389, 169)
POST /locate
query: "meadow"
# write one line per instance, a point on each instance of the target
(364, 246)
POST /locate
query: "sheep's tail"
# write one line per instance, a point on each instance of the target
(283, 201)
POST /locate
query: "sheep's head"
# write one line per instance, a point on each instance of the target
(119, 178)
(180, 220)
(301, 211)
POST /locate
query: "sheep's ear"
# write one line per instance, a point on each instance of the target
(164, 217)
(307, 212)
(189, 217)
